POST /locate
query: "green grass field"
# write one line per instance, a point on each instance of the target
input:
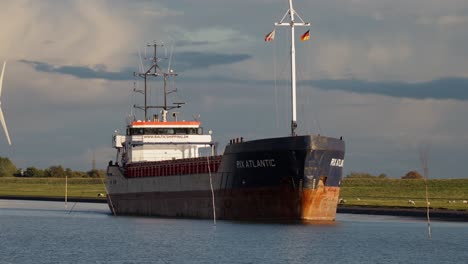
(370, 192)
(397, 192)
(52, 187)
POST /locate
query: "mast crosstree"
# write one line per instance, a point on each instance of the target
(292, 13)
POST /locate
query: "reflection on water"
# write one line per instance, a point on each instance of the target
(42, 208)
(47, 232)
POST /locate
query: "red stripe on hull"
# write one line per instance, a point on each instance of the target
(173, 167)
(246, 204)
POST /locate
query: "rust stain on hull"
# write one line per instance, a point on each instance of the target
(320, 204)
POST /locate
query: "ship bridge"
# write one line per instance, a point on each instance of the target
(159, 140)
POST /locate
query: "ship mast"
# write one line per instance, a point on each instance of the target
(155, 71)
(292, 24)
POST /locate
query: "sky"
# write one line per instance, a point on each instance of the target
(390, 77)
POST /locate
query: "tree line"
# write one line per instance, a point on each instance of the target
(363, 175)
(8, 169)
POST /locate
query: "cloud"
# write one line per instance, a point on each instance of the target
(196, 60)
(65, 32)
(452, 20)
(187, 43)
(443, 20)
(379, 54)
(81, 72)
(373, 62)
(398, 9)
(185, 61)
(445, 88)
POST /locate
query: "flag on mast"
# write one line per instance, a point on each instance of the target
(305, 36)
(270, 36)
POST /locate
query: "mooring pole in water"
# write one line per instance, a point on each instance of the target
(212, 192)
(423, 155)
(66, 191)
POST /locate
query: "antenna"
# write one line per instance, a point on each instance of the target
(2, 118)
(170, 59)
(292, 24)
(155, 71)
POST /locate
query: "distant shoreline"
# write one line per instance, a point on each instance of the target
(436, 214)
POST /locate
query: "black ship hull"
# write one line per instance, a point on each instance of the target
(290, 178)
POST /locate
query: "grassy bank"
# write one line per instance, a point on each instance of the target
(52, 187)
(397, 192)
(372, 192)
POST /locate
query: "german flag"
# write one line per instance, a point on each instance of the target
(305, 36)
(270, 36)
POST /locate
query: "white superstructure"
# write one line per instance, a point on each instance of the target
(159, 140)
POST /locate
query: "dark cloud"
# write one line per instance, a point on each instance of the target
(198, 60)
(444, 88)
(82, 72)
(183, 61)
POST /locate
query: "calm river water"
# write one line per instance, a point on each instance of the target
(47, 232)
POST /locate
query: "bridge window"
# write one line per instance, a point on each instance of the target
(165, 131)
(137, 131)
(181, 131)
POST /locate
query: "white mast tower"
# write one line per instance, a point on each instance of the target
(293, 24)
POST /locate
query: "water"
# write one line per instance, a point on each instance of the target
(46, 232)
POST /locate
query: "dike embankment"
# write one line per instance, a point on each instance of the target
(418, 212)
(55, 199)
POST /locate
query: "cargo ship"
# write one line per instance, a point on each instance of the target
(166, 167)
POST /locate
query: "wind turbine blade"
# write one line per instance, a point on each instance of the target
(2, 119)
(1, 77)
